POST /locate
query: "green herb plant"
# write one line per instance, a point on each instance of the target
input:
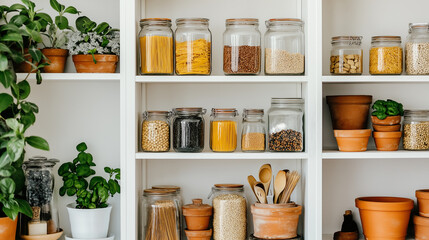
(92, 194)
(383, 109)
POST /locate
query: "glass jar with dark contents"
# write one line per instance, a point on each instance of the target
(188, 129)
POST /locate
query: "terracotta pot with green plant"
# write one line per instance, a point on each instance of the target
(387, 113)
(95, 48)
(90, 214)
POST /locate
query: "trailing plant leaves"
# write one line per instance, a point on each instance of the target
(5, 101)
(29, 4)
(61, 22)
(101, 27)
(19, 20)
(71, 10)
(44, 16)
(36, 54)
(6, 78)
(7, 185)
(11, 37)
(28, 119)
(38, 77)
(55, 5)
(24, 207)
(4, 48)
(24, 89)
(4, 63)
(9, 27)
(37, 142)
(5, 159)
(16, 6)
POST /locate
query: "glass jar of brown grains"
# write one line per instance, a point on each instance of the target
(346, 55)
(416, 130)
(242, 46)
(156, 131)
(385, 56)
(253, 133)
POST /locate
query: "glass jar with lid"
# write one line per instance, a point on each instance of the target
(39, 183)
(285, 125)
(156, 46)
(416, 130)
(253, 131)
(284, 46)
(242, 46)
(385, 56)
(223, 129)
(188, 129)
(156, 131)
(160, 215)
(417, 49)
(229, 212)
(346, 55)
(193, 46)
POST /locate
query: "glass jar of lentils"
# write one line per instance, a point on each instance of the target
(156, 131)
(242, 46)
(253, 133)
(416, 130)
(229, 212)
(285, 125)
(417, 49)
(346, 55)
(188, 129)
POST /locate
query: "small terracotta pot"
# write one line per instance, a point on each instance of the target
(346, 236)
(387, 141)
(8, 228)
(56, 58)
(197, 215)
(390, 120)
(352, 140)
(275, 221)
(349, 112)
(421, 228)
(105, 63)
(387, 128)
(24, 67)
(384, 217)
(423, 202)
(199, 235)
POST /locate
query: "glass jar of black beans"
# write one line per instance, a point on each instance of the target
(188, 129)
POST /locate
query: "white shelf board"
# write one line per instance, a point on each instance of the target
(376, 79)
(221, 79)
(213, 155)
(331, 236)
(373, 154)
(73, 76)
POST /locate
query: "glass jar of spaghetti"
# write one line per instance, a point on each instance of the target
(193, 46)
(156, 46)
(385, 56)
(253, 133)
(160, 215)
(223, 130)
(242, 46)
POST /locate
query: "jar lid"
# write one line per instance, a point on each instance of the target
(417, 112)
(375, 39)
(287, 101)
(224, 111)
(159, 191)
(417, 25)
(229, 185)
(168, 187)
(155, 19)
(258, 112)
(353, 40)
(190, 110)
(197, 208)
(156, 113)
(242, 21)
(40, 161)
(192, 20)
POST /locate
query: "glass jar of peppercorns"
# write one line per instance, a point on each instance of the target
(188, 129)
(285, 124)
(39, 185)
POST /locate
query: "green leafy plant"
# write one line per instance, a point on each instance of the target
(92, 194)
(20, 28)
(383, 109)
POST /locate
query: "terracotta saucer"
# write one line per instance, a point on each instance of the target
(52, 236)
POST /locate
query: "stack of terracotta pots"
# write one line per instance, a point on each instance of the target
(349, 115)
(421, 221)
(387, 132)
(197, 217)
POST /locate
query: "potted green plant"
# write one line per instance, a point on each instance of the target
(20, 27)
(58, 37)
(90, 214)
(95, 48)
(387, 113)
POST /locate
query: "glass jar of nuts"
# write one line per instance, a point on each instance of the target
(385, 56)
(253, 133)
(346, 55)
(416, 130)
(156, 131)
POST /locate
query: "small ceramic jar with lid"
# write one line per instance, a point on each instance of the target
(197, 215)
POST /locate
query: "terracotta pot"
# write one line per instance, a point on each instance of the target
(352, 140)
(423, 202)
(275, 221)
(52, 236)
(57, 59)
(199, 235)
(387, 128)
(346, 236)
(8, 228)
(197, 215)
(24, 67)
(390, 120)
(421, 228)
(349, 112)
(384, 217)
(387, 141)
(105, 63)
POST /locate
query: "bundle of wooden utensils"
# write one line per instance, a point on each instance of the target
(284, 184)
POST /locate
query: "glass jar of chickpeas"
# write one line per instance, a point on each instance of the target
(156, 131)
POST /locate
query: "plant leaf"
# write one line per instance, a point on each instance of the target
(6, 78)
(7, 185)
(71, 10)
(24, 89)
(19, 20)
(5, 160)
(24, 207)
(36, 54)
(37, 142)
(5, 101)
(4, 63)
(81, 147)
(4, 48)
(55, 5)
(62, 22)
(11, 37)
(16, 6)
(15, 148)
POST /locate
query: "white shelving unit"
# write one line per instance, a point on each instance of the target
(73, 76)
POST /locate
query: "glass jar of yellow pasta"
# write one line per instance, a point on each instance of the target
(223, 130)
(385, 56)
(156, 46)
(193, 46)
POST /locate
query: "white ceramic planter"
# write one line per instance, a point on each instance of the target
(89, 223)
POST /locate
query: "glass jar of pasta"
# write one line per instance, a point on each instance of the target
(242, 46)
(385, 56)
(223, 130)
(253, 133)
(156, 46)
(346, 55)
(193, 46)
(156, 131)
(284, 46)
(417, 49)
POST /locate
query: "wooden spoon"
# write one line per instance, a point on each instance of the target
(252, 182)
(265, 175)
(260, 194)
(279, 184)
(286, 180)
